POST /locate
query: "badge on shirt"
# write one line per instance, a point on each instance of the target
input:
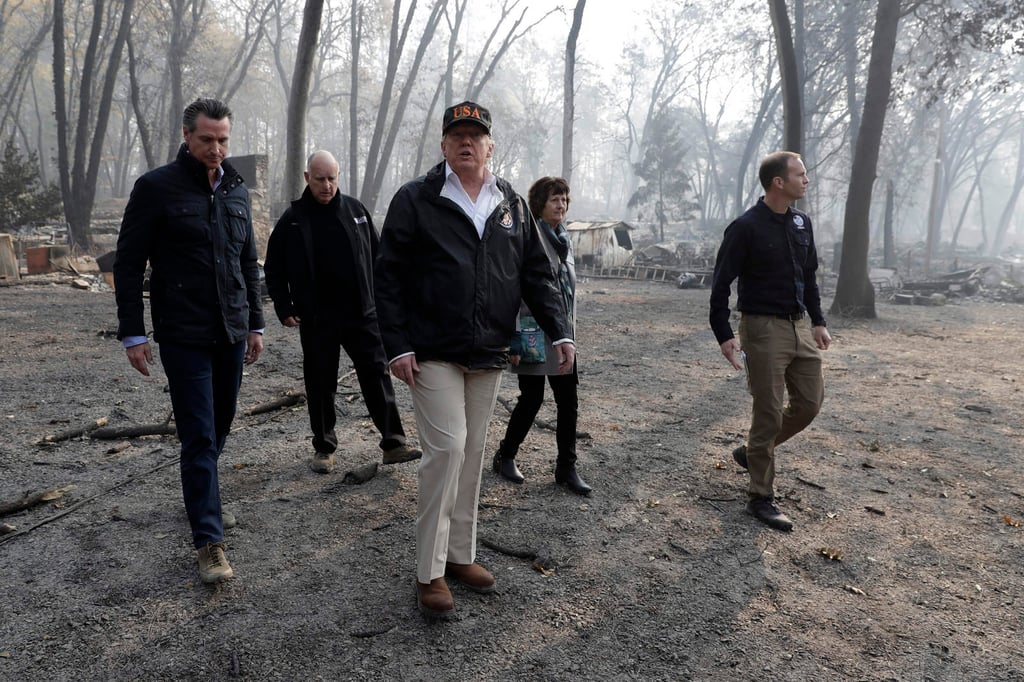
(505, 220)
(798, 221)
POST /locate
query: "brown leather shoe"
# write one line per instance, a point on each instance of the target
(402, 453)
(473, 576)
(434, 600)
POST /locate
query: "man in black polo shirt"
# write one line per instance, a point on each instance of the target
(770, 249)
(319, 272)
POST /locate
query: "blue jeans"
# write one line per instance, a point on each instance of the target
(204, 383)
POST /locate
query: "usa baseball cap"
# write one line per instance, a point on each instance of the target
(466, 112)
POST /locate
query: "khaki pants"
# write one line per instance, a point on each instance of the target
(453, 407)
(781, 358)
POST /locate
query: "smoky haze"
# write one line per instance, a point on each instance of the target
(673, 104)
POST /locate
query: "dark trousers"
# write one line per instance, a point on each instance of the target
(531, 395)
(204, 383)
(321, 353)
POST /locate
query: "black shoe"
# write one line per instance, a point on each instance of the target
(764, 510)
(740, 455)
(507, 469)
(571, 480)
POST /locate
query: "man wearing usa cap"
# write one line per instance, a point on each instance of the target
(459, 250)
(770, 249)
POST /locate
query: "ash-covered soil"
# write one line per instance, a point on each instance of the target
(905, 563)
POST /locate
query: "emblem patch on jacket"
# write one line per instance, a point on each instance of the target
(798, 221)
(505, 220)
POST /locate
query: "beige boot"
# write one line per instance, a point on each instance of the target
(213, 565)
(322, 462)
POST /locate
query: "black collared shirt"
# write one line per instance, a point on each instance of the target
(774, 258)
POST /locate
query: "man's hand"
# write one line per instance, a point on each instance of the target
(731, 351)
(406, 368)
(253, 347)
(822, 338)
(140, 357)
(566, 357)
(514, 359)
(291, 321)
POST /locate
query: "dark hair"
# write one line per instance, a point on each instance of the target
(775, 165)
(544, 189)
(211, 108)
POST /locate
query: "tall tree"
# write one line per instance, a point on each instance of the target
(855, 296)
(389, 120)
(18, 60)
(298, 100)
(356, 38)
(569, 108)
(24, 198)
(79, 170)
(663, 170)
(792, 107)
(1010, 207)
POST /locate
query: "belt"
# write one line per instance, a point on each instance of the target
(792, 317)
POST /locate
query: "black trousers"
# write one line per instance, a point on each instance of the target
(531, 396)
(321, 353)
(204, 383)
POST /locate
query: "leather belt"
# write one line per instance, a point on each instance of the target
(792, 317)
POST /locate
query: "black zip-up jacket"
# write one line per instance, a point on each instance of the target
(447, 294)
(204, 288)
(775, 259)
(290, 267)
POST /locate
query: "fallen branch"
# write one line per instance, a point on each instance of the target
(116, 432)
(82, 503)
(73, 432)
(529, 554)
(287, 400)
(32, 500)
(810, 483)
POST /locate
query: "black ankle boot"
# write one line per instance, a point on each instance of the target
(506, 468)
(568, 476)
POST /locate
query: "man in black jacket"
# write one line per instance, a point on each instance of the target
(459, 252)
(770, 249)
(191, 221)
(319, 271)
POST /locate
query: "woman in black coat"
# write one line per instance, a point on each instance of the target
(549, 202)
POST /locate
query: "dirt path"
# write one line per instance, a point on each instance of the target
(905, 478)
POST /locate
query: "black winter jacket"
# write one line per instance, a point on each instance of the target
(447, 294)
(776, 262)
(204, 288)
(290, 266)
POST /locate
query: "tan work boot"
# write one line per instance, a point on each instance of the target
(213, 565)
(402, 453)
(322, 462)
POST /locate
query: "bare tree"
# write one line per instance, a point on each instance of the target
(298, 101)
(788, 69)
(356, 28)
(385, 132)
(1010, 207)
(18, 69)
(569, 108)
(78, 171)
(478, 79)
(855, 297)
